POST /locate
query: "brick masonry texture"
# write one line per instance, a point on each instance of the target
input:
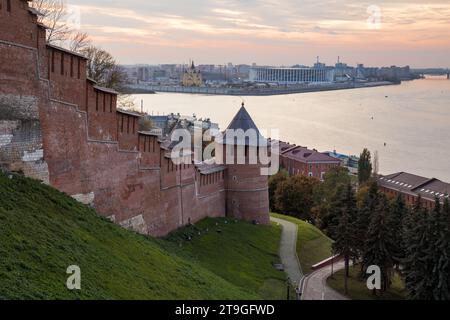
(58, 126)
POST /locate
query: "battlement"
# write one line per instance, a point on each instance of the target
(59, 126)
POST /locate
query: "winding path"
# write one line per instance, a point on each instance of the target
(288, 251)
(313, 286)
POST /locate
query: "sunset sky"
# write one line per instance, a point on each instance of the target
(272, 32)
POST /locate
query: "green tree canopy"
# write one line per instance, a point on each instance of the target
(294, 196)
(365, 167)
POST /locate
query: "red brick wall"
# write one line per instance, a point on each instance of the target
(95, 153)
(18, 25)
(127, 130)
(67, 74)
(102, 118)
(150, 151)
(301, 168)
(410, 200)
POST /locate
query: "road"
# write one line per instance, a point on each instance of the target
(288, 251)
(314, 285)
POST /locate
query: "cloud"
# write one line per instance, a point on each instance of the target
(275, 25)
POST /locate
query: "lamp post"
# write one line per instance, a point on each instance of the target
(288, 288)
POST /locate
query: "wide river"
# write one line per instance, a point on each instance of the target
(412, 119)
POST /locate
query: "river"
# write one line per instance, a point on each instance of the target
(412, 119)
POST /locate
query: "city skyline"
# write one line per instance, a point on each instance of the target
(270, 32)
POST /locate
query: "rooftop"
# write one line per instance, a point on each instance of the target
(428, 188)
(242, 121)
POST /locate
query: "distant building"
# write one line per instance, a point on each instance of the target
(298, 160)
(192, 77)
(349, 162)
(411, 186)
(173, 121)
(288, 76)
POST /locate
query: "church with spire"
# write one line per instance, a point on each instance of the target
(192, 77)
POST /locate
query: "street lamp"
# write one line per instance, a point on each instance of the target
(288, 288)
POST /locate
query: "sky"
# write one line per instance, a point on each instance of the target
(271, 32)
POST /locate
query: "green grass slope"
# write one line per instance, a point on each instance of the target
(43, 231)
(242, 255)
(312, 245)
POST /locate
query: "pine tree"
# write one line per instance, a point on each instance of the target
(418, 264)
(345, 230)
(380, 243)
(365, 167)
(398, 213)
(441, 245)
(369, 204)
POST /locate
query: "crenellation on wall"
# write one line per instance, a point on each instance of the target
(58, 126)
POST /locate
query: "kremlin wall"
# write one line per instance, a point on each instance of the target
(58, 126)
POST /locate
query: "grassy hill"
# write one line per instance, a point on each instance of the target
(312, 245)
(43, 231)
(241, 253)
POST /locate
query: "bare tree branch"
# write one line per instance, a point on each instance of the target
(53, 12)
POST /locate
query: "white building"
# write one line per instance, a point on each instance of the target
(291, 75)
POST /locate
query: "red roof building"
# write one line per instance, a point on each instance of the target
(298, 160)
(410, 186)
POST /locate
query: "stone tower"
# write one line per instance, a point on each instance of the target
(247, 196)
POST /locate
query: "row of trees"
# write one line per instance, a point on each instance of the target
(304, 197)
(102, 67)
(371, 229)
(414, 242)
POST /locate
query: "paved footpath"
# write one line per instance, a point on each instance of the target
(288, 251)
(315, 287)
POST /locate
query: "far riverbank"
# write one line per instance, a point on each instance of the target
(254, 92)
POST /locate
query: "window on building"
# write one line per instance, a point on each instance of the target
(8, 5)
(96, 100)
(104, 102)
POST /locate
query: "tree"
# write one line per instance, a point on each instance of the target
(369, 204)
(417, 264)
(365, 167)
(274, 182)
(53, 13)
(380, 243)
(59, 31)
(440, 237)
(102, 68)
(325, 193)
(376, 163)
(398, 212)
(294, 196)
(345, 230)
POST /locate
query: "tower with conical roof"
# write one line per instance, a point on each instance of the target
(247, 196)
